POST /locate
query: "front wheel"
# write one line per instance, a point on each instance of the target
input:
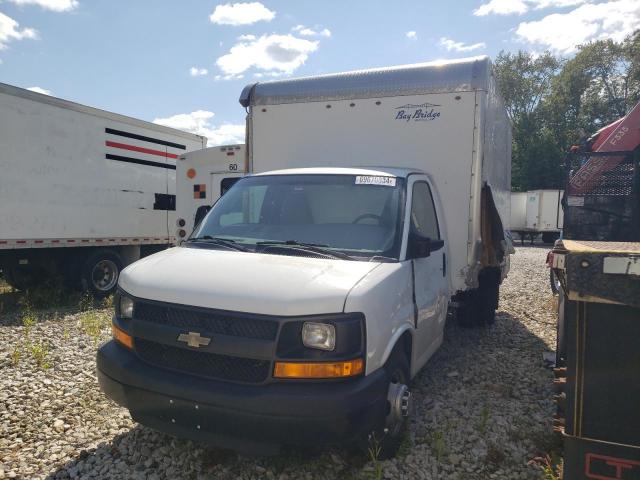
(384, 442)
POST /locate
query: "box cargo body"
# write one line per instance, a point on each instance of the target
(202, 176)
(446, 120)
(518, 211)
(76, 176)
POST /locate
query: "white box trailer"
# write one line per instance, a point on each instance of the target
(82, 191)
(443, 118)
(518, 211)
(203, 176)
(543, 215)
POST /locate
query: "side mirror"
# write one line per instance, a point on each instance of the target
(421, 247)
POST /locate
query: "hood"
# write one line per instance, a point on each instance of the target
(244, 282)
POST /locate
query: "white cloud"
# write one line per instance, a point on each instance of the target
(244, 38)
(501, 7)
(198, 72)
(41, 90)
(562, 32)
(54, 5)
(310, 32)
(199, 122)
(452, 45)
(507, 7)
(9, 31)
(241, 14)
(412, 34)
(283, 53)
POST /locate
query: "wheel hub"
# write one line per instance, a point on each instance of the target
(104, 275)
(399, 398)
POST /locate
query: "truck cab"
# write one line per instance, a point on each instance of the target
(297, 312)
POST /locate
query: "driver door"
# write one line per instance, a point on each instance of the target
(429, 273)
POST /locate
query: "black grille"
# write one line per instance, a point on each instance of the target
(205, 364)
(207, 322)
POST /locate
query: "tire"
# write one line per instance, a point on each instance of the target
(553, 282)
(384, 442)
(100, 272)
(24, 277)
(550, 237)
(479, 305)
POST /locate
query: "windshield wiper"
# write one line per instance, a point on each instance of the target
(309, 247)
(223, 242)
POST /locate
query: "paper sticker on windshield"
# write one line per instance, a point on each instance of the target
(373, 180)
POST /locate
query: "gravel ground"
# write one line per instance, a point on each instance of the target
(483, 404)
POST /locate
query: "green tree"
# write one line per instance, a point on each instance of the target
(524, 81)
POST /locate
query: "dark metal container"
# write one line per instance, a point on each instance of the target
(598, 359)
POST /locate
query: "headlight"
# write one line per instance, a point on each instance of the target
(126, 307)
(319, 335)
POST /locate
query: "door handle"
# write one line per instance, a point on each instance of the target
(444, 264)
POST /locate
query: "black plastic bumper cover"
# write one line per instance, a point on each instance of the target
(242, 417)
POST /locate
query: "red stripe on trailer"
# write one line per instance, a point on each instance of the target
(70, 241)
(3, 242)
(39, 241)
(133, 148)
(21, 241)
(55, 241)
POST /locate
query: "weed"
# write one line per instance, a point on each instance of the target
(551, 466)
(40, 353)
(483, 420)
(92, 323)
(16, 353)
(374, 449)
(438, 445)
(107, 302)
(66, 333)
(29, 319)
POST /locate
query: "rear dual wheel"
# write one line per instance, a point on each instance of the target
(478, 306)
(100, 272)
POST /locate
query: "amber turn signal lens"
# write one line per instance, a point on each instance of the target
(121, 336)
(319, 370)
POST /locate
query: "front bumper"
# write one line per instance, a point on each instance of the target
(256, 418)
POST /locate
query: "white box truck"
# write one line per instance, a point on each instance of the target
(83, 192)
(203, 176)
(309, 296)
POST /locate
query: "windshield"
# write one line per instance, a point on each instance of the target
(357, 215)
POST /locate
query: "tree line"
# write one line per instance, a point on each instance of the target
(554, 103)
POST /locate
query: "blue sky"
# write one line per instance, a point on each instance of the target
(183, 63)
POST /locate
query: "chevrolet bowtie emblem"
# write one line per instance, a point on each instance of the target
(193, 339)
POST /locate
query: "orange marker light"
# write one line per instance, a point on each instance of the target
(191, 173)
(349, 368)
(121, 336)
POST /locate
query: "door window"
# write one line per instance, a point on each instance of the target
(227, 183)
(423, 212)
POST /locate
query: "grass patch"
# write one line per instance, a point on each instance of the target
(92, 321)
(438, 445)
(40, 353)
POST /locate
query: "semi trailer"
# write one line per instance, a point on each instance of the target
(316, 287)
(83, 192)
